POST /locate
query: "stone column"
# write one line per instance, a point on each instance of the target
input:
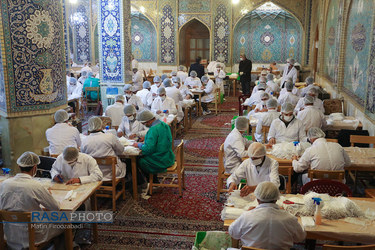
(32, 74)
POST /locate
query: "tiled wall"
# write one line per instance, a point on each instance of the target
(144, 39)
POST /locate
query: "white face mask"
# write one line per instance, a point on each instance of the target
(131, 118)
(177, 85)
(162, 98)
(128, 95)
(257, 162)
(287, 118)
(241, 59)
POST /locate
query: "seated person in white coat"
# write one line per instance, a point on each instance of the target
(184, 90)
(137, 79)
(272, 85)
(130, 127)
(288, 96)
(266, 119)
(62, 134)
(116, 110)
(83, 78)
(74, 167)
(310, 115)
(193, 81)
(256, 169)
(163, 103)
(235, 145)
(174, 93)
(182, 74)
(99, 144)
(262, 79)
(287, 128)
(317, 102)
(74, 88)
(131, 98)
(309, 84)
(145, 95)
(155, 86)
(322, 155)
(209, 93)
(290, 72)
(262, 105)
(255, 98)
(24, 194)
(219, 75)
(267, 226)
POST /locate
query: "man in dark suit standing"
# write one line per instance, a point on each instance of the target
(197, 67)
(245, 74)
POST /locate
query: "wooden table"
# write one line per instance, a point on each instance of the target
(133, 159)
(199, 94)
(339, 230)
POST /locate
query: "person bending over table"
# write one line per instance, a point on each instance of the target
(193, 81)
(266, 119)
(267, 226)
(287, 128)
(256, 169)
(130, 128)
(322, 155)
(157, 154)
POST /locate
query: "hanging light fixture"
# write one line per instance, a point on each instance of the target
(235, 1)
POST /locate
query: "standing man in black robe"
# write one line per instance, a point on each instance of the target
(197, 67)
(245, 74)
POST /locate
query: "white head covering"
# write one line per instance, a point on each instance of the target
(315, 132)
(70, 153)
(256, 149)
(242, 123)
(95, 124)
(267, 191)
(28, 159)
(61, 116)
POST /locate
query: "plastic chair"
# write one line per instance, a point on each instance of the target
(241, 99)
(362, 139)
(174, 173)
(222, 176)
(326, 175)
(333, 188)
(333, 247)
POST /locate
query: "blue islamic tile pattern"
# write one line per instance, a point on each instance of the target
(188, 6)
(370, 98)
(168, 35)
(82, 33)
(357, 50)
(204, 18)
(111, 51)
(221, 34)
(308, 33)
(144, 40)
(34, 53)
(66, 40)
(267, 40)
(332, 39)
(3, 101)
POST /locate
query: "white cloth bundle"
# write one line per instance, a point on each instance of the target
(187, 103)
(237, 201)
(286, 150)
(125, 141)
(131, 150)
(336, 116)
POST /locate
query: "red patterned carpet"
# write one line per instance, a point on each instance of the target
(166, 221)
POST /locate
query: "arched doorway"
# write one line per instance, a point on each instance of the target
(194, 41)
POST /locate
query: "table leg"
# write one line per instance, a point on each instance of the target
(234, 87)
(68, 237)
(200, 105)
(94, 207)
(134, 176)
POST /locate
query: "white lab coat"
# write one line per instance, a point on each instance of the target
(185, 91)
(76, 91)
(295, 91)
(235, 146)
(137, 79)
(167, 104)
(211, 67)
(255, 90)
(115, 112)
(266, 120)
(254, 98)
(154, 90)
(311, 117)
(322, 155)
(183, 75)
(102, 145)
(135, 127)
(87, 69)
(317, 103)
(294, 132)
(288, 97)
(267, 227)
(23, 194)
(62, 135)
(269, 171)
(193, 82)
(146, 97)
(135, 64)
(219, 79)
(176, 95)
(291, 74)
(86, 169)
(307, 88)
(82, 80)
(135, 101)
(273, 86)
(209, 92)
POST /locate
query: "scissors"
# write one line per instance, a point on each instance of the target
(288, 202)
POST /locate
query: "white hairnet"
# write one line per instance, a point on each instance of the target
(128, 87)
(120, 98)
(61, 116)
(174, 73)
(205, 79)
(270, 77)
(263, 72)
(193, 73)
(167, 82)
(312, 91)
(146, 85)
(95, 124)
(176, 79)
(28, 159)
(181, 68)
(262, 85)
(129, 109)
(70, 153)
(308, 99)
(242, 123)
(72, 80)
(157, 79)
(267, 191)
(145, 115)
(271, 103)
(262, 79)
(163, 76)
(287, 108)
(291, 61)
(161, 90)
(289, 86)
(264, 95)
(256, 149)
(84, 73)
(315, 132)
(309, 80)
